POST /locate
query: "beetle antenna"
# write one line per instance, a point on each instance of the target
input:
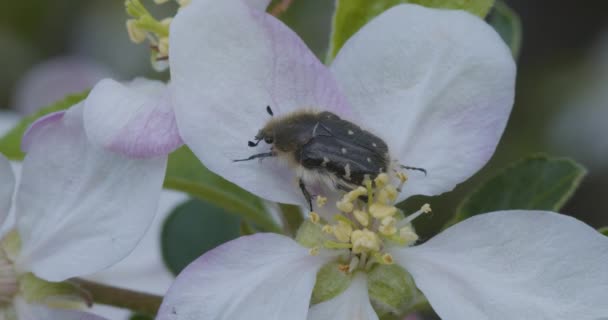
(269, 111)
(253, 144)
(413, 168)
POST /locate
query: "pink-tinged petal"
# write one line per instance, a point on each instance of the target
(80, 208)
(135, 119)
(38, 128)
(263, 276)
(228, 62)
(27, 311)
(351, 304)
(7, 187)
(436, 85)
(513, 265)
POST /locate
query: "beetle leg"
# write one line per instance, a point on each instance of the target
(255, 156)
(306, 193)
(413, 168)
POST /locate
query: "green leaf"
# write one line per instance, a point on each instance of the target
(508, 24)
(192, 229)
(351, 15)
(139, 316)
(186, 173)
(10, 144)
(604, 231)
(538, 182)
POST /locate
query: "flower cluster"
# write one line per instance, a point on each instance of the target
(436, 86)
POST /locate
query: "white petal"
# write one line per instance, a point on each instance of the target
(7, 187)
(263, 276)
(144, 269)
(135, 118)
(513, 265)
(436, 85)
(80, 208)
(352, 304)
(228, 62)
(26, 311)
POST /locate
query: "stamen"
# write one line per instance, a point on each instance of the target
(364, 241)
(387, 226)
(344, 268)
(387, 258)
(362, 217)
(380, 211)
(314, 217)
(342, 231)
(426, 208)
(321, 201)
(344, 206)
(381, 180)
(407, 235)
(313, 251)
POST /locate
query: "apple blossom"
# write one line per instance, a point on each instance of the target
(79, 209)
(437, 86)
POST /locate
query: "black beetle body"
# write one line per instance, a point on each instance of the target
(321, 146)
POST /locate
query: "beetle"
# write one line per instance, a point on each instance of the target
(321, 146)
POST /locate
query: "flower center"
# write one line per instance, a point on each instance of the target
(368, 222)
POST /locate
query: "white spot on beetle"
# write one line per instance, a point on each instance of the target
(350, 132)
(344, 150)
(369, 160)
(374, 144)
(347, 171)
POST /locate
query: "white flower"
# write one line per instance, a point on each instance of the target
(437, 86)
(79, 209)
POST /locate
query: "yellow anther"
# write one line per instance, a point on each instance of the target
(163, 47)
(426, 208)
(391, 192)
(136, 34)
(314, 217)
(381, 180)
(327, 229)
(379, 211)
(343, 267)
(321, 201)
(342, 231)
(345, 206)
(313, 251)
(387, 226)
(364, 241)
(362, 217)
(387, 258)
(408, 235)
(402, 177)
(355, 194)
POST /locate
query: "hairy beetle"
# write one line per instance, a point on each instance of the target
(321, 146)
